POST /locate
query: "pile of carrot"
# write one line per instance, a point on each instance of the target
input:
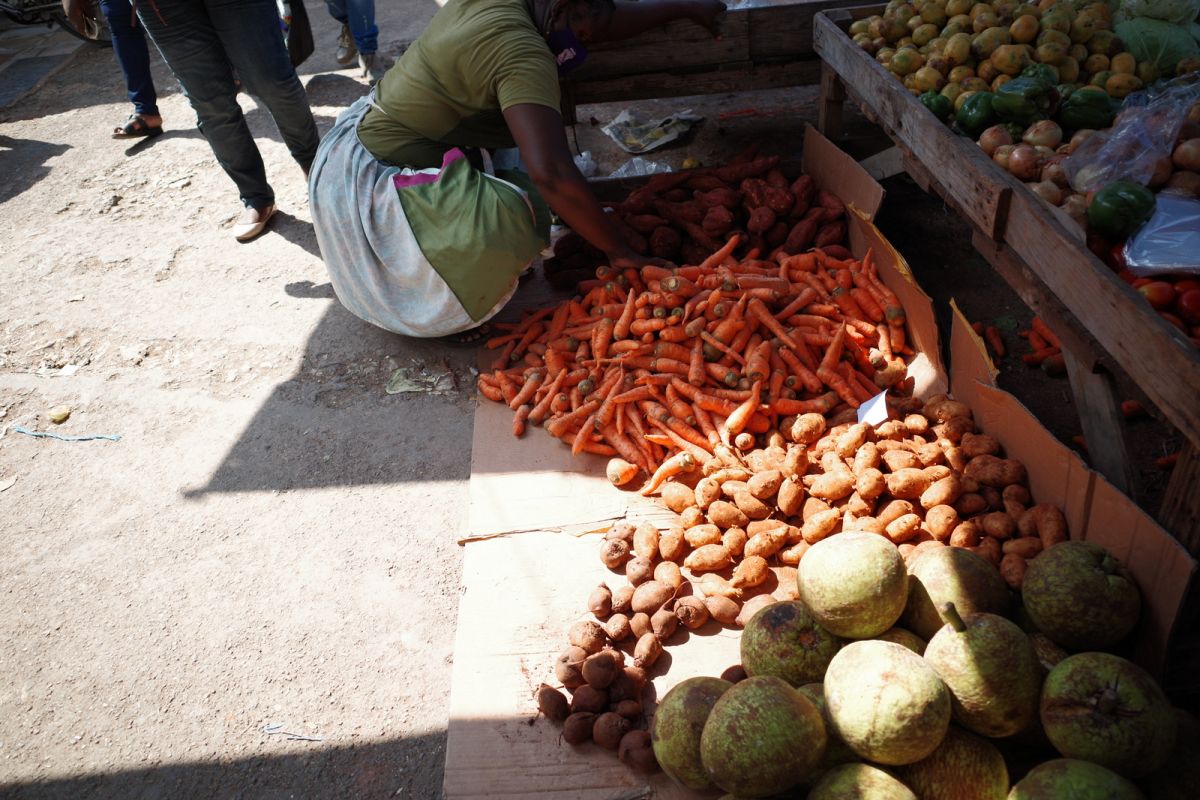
(646, 364)
(1045, 348)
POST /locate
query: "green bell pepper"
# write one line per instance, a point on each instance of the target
(940, 105)
(1120, 208)
(1089, 108)
(1025, 100)
(1015, 131)
(1042, 72)
(975, 115)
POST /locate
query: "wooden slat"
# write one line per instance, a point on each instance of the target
(984, 201)
(728, 78)
(784, 28)
(681, 44)
(1181, 508)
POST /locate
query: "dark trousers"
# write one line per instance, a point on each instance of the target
(203, 42)
(129, 45)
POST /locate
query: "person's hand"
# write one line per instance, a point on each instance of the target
(705, 13)
(632, 260)
(74, 10)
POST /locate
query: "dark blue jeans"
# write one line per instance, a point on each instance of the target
(129, 45)
(203, 42)
(360, 16)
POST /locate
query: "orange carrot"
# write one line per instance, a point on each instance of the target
(560, 425)
(490, 390)
(542, 408)
(707, 427)
(585, 432)
(758, 366)
(804, 375)
(532, 383)
(827, 371)
(676, 464)
(503, 359)
(519, 418)
(763, 314)
(722, 347)
(736, 422)
(806, 296)
(602, 338)
(819, 405)
(718, 256)
(643, 326)
(1044, 331)
(621, 329)
(696, 372)
(995, 341)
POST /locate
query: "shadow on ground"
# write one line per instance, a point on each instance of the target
(411, 768)
(23, 164)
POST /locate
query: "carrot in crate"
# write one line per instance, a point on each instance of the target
(995, 340)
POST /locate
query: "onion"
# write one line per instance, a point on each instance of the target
(1193, 113)
(1187, 156)
(1045, 133)
(1053, 171)
(1162, 172)
(1048, 191)
(1045, 153)
(994, 137)
(1024, 163)
(1076, 207)
(1002, 154)
(1189, 130)
(1185, 183)
(1079, 138)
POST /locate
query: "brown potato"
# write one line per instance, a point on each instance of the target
(600, 670)
(622, 600)
(989, 549)
(966, 534)
(833, 485)
(667, 573)
(637, 753)
(954, 429)
(893, 510)
(577, 728)
(820, 525)
(621, 530)
(954, 456)
(568, 667)
(589, 699)
(672, 545)
(807, 428)
(709, 558)
(714, 585)
(937, 472)
(866, 457)
(600, 601)
(941, 521)
(790, 498)
(898, 459)
(722, 609)
(998, 524)
(751, 506)
(931, 455)
(907, 484)
(629, 709)
(645, 541)
(813, 506)
(639, 570)
(650, 596)
(609, 728)
(726, 515)
(941, 409)
(646, 651)
(640, 625)
(994, 471)
(617, 627)
(916, 424)
(892, 430)
(944, 492)
(969, 504)
(707, 490)
(614, 552)
(765, 484)
(795, 462)
(1026, 547)
(854, 437)
(1051, 524)
(692, 612)
(1012, 569)
(903, 528)
(664, 623)
(979, 444)
(870, 484)
(586, 635)
(691, 517)
(752, 571)
(1017, 494)
(552, 703)
(734, 541)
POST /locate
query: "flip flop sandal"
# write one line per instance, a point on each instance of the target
(471, 337)
(136, 128)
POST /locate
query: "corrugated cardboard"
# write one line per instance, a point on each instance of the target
(1095, 510)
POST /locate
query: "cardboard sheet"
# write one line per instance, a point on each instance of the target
(521, 595)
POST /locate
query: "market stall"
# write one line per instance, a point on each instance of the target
(1103, 323)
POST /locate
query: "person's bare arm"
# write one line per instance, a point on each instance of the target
(630, 19)
(74, 11)
(538, 132)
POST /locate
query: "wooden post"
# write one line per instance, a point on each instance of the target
(829, 110)
(1180, 512)
(1100, 419)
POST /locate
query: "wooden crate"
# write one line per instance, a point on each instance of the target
(764, 44)
(1105, 323)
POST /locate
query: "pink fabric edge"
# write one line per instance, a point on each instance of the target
(402, 181)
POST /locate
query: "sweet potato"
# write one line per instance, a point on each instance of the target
(734, 540)
(830, 233)
(832, 205)
(725, 196)
(776, 179)
(931, 455)
(940, 408)
(709, 558)
(943, 492)
(1026, 547)
(954, 428)
(647, 651)
(717, 222)
(893, 510)
(677, 496)
(707, 490)
(751, 506)
(639, 570)
(752, 571)
(691, 612)
(764, 485)
(850, 440)
(820, 525)
(667, 573)
(979, 444)
(761, 220)
(644, 223)
(788, 588)
(865, 457)
(706, 182)
(802, 234)
(856, 506)
(664, 242)
(586, 635)
(907, 484)
(727, 515)
(779, 199)
(691, 517)
(792, 555)
(899, 459)
(777, 234)
(645, 541)
(804, 189)
(639, 624)
(937, 472)
(1012, 569)
(754, 193)
(813, 506)
(618, 628)
(752, 607)
(712, 584)
(664, 623)
(700, 535)
(650, 596)
(722, 609)
(767, 543)
(790, 498)
(1050, 523)
(970, 504)
(672, 546)
(916, 424)
(837, 481)
(998, 524)
(989, 549)
(903, 528)
(735, 173)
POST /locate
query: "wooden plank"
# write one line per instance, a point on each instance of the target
(743, 76)
(681, 44)
(1180, 512)
(1154, 354)
(1101, 421)
(784, 28)
(831, 104)
(968, 176)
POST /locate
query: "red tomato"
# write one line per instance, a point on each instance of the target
(1186, 284)
(1116, 258)
(1127, 276)
(1174, 320)
(1138, 283)
(1188, 306)
(1160, 294)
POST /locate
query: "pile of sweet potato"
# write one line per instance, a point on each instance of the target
(686, 216)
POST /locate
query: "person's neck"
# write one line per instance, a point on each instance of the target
(542, 11)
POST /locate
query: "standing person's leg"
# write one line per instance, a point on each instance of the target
(361, 15)
(346, 51)
(188, 42)
(133, 56)
(249, 32)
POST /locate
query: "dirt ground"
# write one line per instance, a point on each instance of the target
(271, 541)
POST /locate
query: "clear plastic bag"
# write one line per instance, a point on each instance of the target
(639, 166)
(1170, 241)
(1144, 133)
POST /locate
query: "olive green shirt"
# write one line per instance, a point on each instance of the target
(476, 58)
